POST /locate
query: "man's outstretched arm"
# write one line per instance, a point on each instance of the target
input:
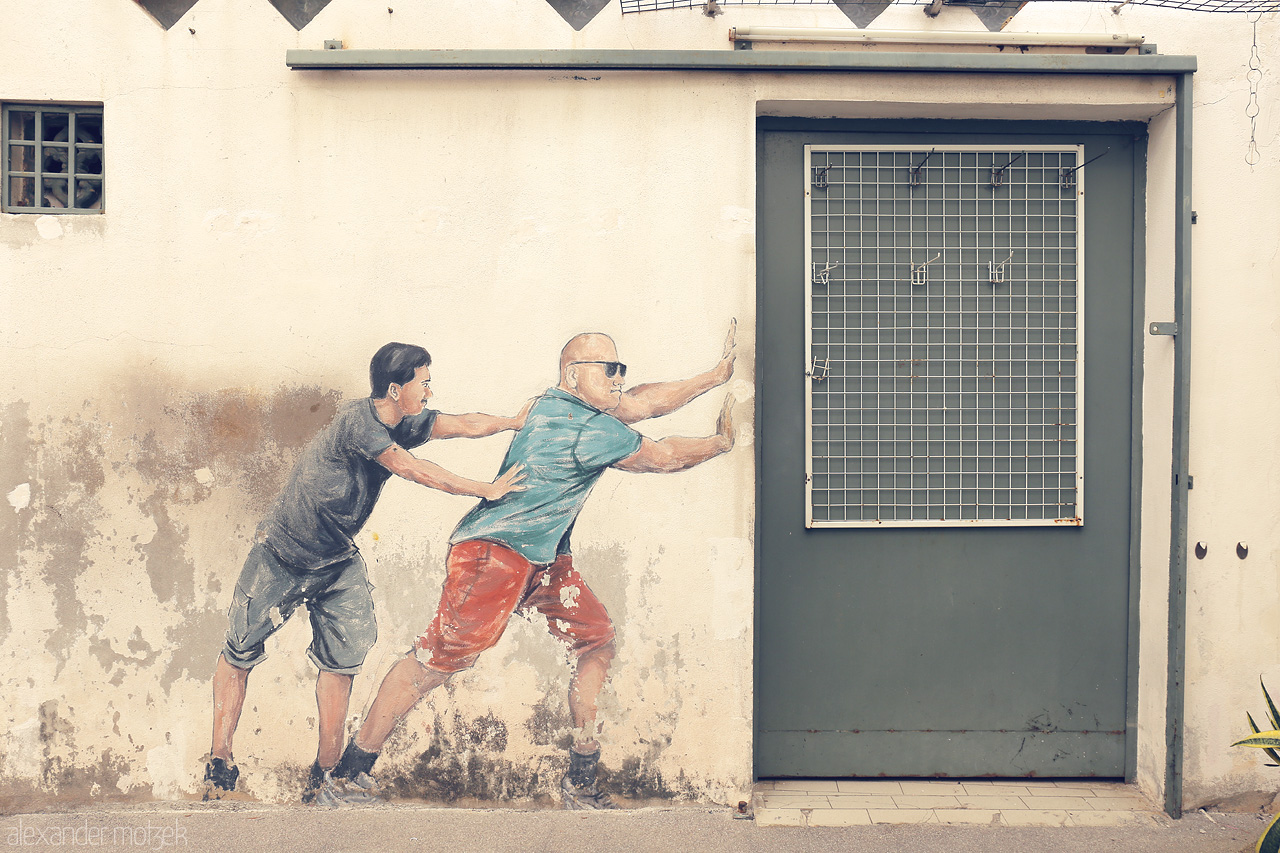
(402, 463)
(475, 424)
(656, 399)
(677, 453)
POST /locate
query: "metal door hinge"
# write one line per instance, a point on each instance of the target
(1191, 481)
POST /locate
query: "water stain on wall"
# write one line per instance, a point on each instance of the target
(15, 450)
(116, 490)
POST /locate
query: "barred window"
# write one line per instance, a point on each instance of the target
(52, 158)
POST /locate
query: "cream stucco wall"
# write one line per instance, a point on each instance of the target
(268, 229)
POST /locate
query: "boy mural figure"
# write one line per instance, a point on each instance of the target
(513, 553)
(303, 553)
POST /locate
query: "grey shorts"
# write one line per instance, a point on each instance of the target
(338, 600)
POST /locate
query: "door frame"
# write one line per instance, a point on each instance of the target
(767, 125)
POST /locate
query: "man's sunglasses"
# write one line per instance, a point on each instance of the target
(611, 368)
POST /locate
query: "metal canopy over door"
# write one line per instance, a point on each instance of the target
(932, 597)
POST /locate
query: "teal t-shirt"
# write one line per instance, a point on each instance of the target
(565, 445)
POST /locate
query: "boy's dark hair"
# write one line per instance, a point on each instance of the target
(395, 363)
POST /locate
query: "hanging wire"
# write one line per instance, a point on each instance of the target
(1251, 110)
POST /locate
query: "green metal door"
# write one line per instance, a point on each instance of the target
(944, 548)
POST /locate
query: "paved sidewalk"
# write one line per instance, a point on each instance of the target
(228, 827)
(1013, 802)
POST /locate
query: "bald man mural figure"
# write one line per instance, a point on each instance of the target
(513, 553)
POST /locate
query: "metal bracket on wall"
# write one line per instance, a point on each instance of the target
(1163, 329)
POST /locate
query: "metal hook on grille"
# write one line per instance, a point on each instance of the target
(818, 370)
(820, 177)
(915, 170)
(823, 276)
(1067, 177)
(996, 271)
(920, 272)
(997, 175)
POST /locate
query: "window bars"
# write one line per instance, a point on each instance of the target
(53, 158)
(944, 336)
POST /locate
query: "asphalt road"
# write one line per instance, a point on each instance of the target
(232, 827)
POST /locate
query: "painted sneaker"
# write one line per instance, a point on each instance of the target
(219, 778)
(587, 798)
(366, 785)
(336, 792)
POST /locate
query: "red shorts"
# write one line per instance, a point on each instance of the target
(486, 583)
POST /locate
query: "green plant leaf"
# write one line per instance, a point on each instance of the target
(1271, 706)
(1270, 840)
(1271, 753)
(1261, 740)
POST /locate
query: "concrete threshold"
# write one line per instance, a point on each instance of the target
(988, 802)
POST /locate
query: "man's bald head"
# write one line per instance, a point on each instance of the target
(589, 370)
(589, 346)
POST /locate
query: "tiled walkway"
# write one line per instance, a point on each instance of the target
(1007, 802)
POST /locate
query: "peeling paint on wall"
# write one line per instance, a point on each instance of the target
(105, 550)
(14, 452)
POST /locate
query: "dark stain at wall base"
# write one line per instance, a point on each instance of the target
(636, 778)
(465, 764)
(60, 783)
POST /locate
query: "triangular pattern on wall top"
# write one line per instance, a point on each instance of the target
(578, 13)
(299, 13)
(994, 15)
(166, 12)
(862, 12)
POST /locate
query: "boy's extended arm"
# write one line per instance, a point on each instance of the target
(402, 463)
(475, 424)
(656, 399)
(677, 453)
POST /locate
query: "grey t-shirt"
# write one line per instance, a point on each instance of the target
(335, 485)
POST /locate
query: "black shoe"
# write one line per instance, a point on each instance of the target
(315, 779)
(354, 762)
(580, 798)
(219, 777)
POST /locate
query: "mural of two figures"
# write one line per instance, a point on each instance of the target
(510, 552)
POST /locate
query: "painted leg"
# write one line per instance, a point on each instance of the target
(578, 788)
(229, 686)
(405, 685)
(333, 695)
(584, 690)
